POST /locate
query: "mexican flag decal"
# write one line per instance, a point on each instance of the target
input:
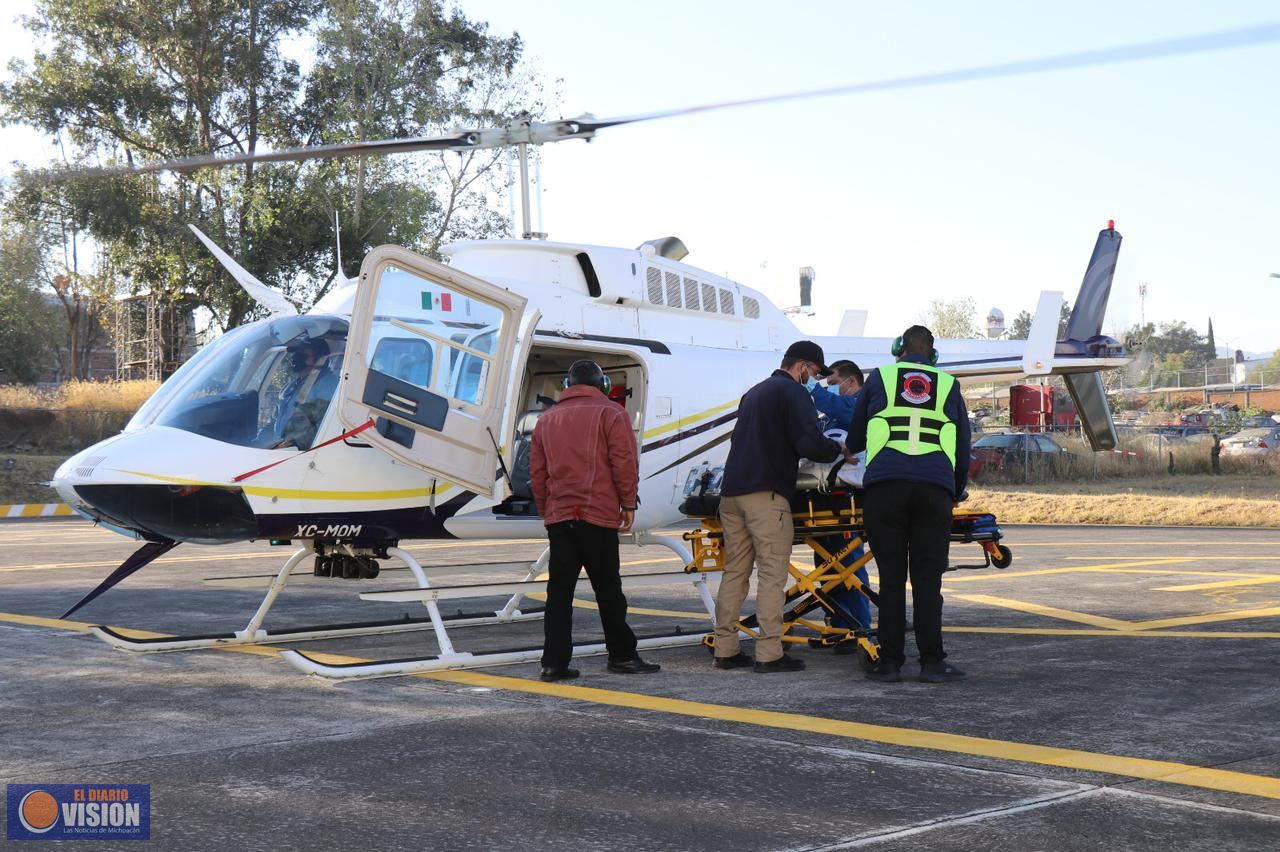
(437, 301)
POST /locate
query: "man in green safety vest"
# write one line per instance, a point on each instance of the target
(913, 424)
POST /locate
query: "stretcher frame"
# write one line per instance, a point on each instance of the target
(819, 515)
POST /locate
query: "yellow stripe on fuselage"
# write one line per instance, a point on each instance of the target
(299, 493)
(690, 420)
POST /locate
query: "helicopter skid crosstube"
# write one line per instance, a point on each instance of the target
(253, 634)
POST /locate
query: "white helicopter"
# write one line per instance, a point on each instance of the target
(397, 407)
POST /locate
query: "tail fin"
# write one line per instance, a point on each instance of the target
(1084, 336)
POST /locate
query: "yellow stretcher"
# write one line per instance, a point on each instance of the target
(810, 604)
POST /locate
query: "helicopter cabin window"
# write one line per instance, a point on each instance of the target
(269, 385)
(455, 339)
(407, 360)
(750, 308)
(654, 279)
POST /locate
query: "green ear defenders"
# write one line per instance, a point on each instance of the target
(587, 373)
(896, 351)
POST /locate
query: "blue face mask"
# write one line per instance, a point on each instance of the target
(811, 384)
(833, 389)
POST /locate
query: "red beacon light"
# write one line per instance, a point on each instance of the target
(1111, 224)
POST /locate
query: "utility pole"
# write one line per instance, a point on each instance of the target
(1142, 305)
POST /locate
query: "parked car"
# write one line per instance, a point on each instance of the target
(1256, 442)
(1260, 421)
(1006, 451)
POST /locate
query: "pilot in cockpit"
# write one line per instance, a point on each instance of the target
(305, 398)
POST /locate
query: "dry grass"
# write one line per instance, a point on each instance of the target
(16, 485)
(105, 396)
(80, 396)
(1230, 501)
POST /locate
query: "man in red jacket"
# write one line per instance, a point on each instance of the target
(585, 474)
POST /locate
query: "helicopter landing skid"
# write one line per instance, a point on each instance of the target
(254, 634)
(449, 658)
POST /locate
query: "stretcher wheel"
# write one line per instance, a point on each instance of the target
(1005, 557)
(709, 642)
(864, 660)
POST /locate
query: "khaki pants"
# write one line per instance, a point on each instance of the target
(757, 529)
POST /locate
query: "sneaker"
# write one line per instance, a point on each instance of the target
(552, 673)
(885, 673)
(939, 673)
(636, 666)
(737, 661)
(782, 664)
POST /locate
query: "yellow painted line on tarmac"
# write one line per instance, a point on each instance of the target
(1167, 772)
(1207, 618)
(1070, 569)
(1120, 634)
(1069, 542)
(1222, 584)
(1050, 611)
(112, 563)
(1132, 767)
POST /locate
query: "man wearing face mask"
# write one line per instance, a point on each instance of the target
(837, 396)
(776, 427)
(836, 399)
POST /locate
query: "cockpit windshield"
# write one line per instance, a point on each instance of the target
(267, 384)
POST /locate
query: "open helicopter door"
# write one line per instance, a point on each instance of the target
(432, 359)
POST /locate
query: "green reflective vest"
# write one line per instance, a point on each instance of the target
(913, 423)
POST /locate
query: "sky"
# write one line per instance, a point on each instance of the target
(993, 189)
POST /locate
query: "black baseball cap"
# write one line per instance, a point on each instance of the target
(807, 350)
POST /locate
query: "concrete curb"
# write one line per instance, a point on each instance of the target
(35, 510)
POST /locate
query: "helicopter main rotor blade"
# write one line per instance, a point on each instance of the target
(1202, 43)
(585, 127)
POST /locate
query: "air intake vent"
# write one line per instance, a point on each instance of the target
(673, 290)
(750, 307)
(708, 298)
(654, 279)
(89, 464)
(691, 294)
(726, 302)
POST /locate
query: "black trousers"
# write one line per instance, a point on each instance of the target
(909, 529)
(575, 545)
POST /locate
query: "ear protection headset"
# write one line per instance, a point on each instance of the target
(603, 383)
(897, 348)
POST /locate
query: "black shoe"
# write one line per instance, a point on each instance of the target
(782, 664)
(939, 673)
(636, 666)
(550, 673)
(737, 661)
(885, 673)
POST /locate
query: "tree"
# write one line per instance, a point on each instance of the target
(117, 80)
(1021, 327)
(953, 318)
(28, 322)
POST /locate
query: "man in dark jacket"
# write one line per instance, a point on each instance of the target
(777, 426)
(585, 476)
(913, 424)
